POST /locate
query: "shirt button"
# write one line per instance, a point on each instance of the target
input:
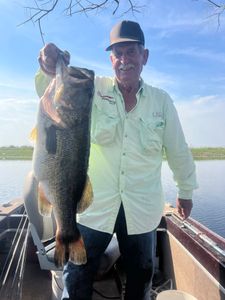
(122, 172)
(125, 135)
(124, 153)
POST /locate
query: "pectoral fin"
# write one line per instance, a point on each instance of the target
(87, 197)
(33, 134)
(44, 206)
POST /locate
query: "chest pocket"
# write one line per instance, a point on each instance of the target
(151, 135)
(105, 127)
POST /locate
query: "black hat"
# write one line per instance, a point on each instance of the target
(126, 31)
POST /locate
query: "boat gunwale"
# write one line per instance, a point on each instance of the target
(209, 259)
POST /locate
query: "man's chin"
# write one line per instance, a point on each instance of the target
(126, 83)
(126, 77)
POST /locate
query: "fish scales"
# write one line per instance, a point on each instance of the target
(61, 154)
(70, 175)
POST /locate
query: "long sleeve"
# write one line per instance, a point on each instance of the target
(179, 157)
(41, 82)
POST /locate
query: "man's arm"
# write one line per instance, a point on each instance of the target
(180, 161)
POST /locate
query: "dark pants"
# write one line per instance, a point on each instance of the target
(137, 251)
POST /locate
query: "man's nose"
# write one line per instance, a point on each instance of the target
(124, 58)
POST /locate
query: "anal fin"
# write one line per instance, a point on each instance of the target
(86, 198)
(44, 206)
(60, 254)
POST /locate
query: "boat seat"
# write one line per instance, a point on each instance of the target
(42, 228)
(43, 233)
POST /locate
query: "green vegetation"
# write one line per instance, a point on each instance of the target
(25, 153)
(208, 153)
(16, 153)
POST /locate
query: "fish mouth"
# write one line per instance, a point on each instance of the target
(48, 107)
(59, 99)
(51, 112)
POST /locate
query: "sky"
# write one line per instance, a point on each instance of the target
(187, 59)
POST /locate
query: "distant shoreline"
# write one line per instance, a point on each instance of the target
(25, 153)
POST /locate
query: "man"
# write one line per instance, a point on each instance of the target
(132, 125)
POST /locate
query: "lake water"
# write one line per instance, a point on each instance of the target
(209, 198)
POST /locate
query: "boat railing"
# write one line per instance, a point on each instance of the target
(210, 239)
(204, 238)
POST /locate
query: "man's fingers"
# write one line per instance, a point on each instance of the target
(48, 58)
(184, 207)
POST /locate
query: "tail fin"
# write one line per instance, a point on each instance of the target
(74, 251)
(77, 252)
(60, 254)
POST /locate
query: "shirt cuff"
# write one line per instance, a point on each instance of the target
(182, 194)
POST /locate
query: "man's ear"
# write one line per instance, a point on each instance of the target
(145, 56)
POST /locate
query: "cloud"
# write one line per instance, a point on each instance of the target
(16, 86)
(203, 120)
(173, 15)
(100, 68)
(168, 18)
(17, 118)
(199, 53)
(220, 79)
(13, 105)
(157, 78)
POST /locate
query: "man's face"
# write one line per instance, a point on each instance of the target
(128, 60)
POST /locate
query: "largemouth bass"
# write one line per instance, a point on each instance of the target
(61, 154)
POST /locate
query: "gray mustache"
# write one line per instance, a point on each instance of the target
(123, 67)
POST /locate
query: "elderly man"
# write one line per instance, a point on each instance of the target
(132, 125)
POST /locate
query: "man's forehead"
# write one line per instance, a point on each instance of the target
(125, 45)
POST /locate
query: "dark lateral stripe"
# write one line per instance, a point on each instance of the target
(51, 143)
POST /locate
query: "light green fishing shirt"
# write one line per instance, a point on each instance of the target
(126, 157)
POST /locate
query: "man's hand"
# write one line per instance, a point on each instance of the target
(48, 58)
(184, 207)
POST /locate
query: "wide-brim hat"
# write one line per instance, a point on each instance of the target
(126, 31)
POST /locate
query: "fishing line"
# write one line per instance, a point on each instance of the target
(21, 257)
(22, 269)
(13, 251)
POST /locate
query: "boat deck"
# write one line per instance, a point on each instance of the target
(40, 285)
(189, 258)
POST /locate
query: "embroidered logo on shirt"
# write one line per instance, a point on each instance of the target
(106, 97)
